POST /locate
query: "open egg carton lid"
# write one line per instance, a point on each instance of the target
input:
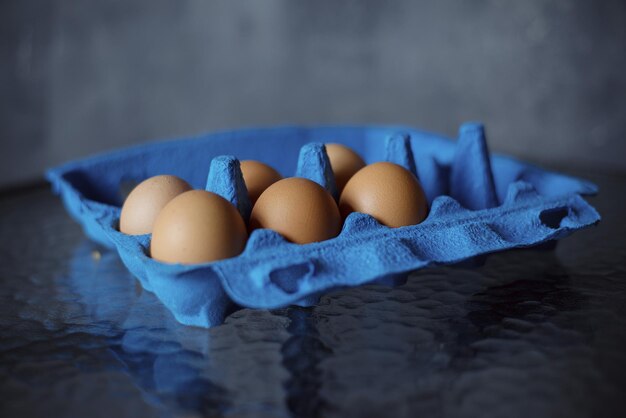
(478, 204)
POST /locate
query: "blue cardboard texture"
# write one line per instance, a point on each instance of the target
(478, 204)
(313, 164)
(225, 177)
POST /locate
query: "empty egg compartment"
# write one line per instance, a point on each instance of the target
(478, 204)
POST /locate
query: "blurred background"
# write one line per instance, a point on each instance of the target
(546, 77)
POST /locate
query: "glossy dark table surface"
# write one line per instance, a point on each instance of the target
(530, 333)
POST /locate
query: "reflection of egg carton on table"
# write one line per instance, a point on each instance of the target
(478, 204)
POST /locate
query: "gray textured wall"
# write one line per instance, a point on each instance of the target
(547, 77)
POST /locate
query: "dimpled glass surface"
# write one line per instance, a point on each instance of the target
(530, 333)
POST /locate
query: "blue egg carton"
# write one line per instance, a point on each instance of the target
(478, 204)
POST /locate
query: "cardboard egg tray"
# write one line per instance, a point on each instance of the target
(478, 204)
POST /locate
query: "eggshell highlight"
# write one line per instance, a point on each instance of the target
(299, 209)
(198, 227)
(145, 201)
(388, 192)
(258, 177)
(345, 162)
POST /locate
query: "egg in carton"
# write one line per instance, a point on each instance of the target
(478, 204)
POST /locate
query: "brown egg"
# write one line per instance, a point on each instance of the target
(299, 209)
(146, 200)
(258, 177)
(388, 192)
(344, 162)
(197, 227)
